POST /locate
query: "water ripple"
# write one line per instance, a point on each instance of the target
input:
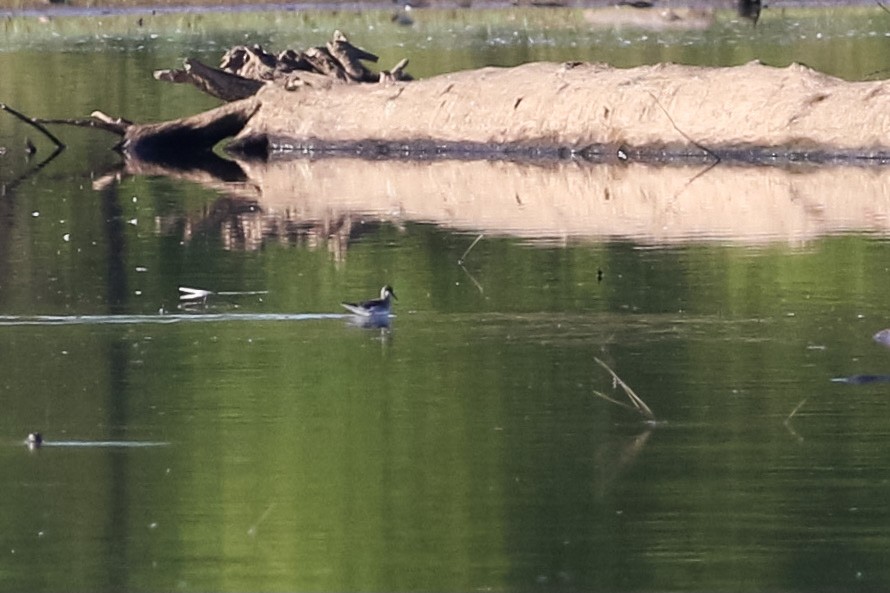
(15, 320)
(104, 444)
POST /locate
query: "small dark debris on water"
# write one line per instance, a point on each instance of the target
(30, 149)
(599, 275)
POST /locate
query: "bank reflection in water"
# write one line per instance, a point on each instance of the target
(320, 200)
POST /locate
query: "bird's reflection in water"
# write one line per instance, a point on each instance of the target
(378, 323)
(381, 322)
(370, 321)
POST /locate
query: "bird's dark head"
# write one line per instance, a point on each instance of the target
(388, 291)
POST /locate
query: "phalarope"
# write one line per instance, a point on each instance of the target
(374, 307)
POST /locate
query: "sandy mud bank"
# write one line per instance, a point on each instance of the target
(751, 113)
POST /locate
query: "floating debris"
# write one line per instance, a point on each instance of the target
(637, 403)
(34, 440)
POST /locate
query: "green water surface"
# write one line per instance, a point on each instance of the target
(464, 447)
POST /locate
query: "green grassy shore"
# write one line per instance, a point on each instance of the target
(128, 5)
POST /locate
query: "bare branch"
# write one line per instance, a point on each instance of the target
(635, 399)
(460, 261)
(33, 122)
(796, 409)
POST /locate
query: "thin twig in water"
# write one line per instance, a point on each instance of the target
(787, 422)
(614, 401)
(710, 152)
(472, 279)
(32, 122)
(460, 261)
(884, 8)
(638, 403)
(795, 410)
(252, 530)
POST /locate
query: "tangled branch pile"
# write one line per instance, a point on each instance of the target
(244, 70)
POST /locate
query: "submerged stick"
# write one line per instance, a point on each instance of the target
(795, 410)
(33, 122)
(613, 400)
(638, 403)
(787, 422)
(472, 279)
(460, 260)
(253, 528)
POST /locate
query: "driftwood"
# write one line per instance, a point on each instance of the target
(219, 83)
(97, 120)
(35, 123)
(184, 140)
(244, 70)
(349, 57)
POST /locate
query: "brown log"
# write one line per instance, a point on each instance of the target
(217, 83)
(350, 56)
(396, 74)
(117, 125)
(309, 80)
(34, 123)
(243, 70)
(290, 60)
(182, 140)
(324, 63)
(250, 62)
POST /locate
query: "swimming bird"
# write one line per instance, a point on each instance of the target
(381, 306)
